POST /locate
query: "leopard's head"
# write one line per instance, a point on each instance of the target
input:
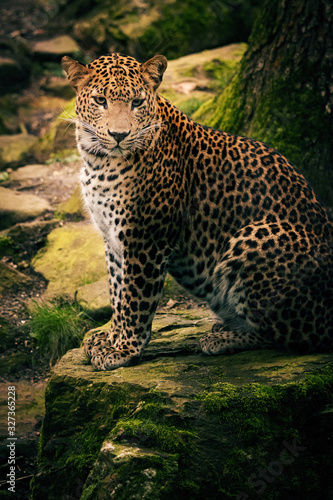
(115, 102)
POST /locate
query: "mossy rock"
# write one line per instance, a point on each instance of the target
(192, 80)
(74, 207)
(60, 136)
(73, 257)
(95, 296)
(15, 150)
(53, 48)
(11, 279)
(168, 27)
(25, 239)
(18, 207)
(186, 425)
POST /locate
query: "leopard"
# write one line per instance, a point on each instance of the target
(228, 217)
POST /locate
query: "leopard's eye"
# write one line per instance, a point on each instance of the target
(100, 100)
(136, 103)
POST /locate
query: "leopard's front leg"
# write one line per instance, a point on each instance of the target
(136, 282)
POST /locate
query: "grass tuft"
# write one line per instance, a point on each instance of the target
(57, 327)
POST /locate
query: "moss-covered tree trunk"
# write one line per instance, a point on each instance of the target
(283, 92)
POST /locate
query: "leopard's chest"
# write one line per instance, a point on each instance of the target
(103, 197)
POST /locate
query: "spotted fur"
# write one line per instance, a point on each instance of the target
(228, 217)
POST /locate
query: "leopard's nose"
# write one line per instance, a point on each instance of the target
(118, 137)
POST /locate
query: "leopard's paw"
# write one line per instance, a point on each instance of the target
(217, 343)
(110, 358)
(98, 341)
(222, 341)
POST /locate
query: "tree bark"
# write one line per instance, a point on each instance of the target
(283, 92)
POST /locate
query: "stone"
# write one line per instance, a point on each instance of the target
(183, 424)
(163, 27)
(29, 172)
(15, 149)
(192, 80)
(95, 295)
(58, 46)
(25, 238)
(60, 136)
(73, 257)
(11, 279)
(74, 206)
(18, 207)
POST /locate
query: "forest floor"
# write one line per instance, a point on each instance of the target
(25, 18)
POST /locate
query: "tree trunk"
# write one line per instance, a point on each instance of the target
(283, 92)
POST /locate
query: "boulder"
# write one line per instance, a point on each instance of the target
(192, 80)
(18, 207)
(54, 48)
(60, 136)
(73, 257)
(25, 238)
(95, 296)
(15, 149)
(11, 279)
(163, 27)
(188, 426)
(74, 207)
(29, 172)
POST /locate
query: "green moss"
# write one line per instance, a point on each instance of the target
(7, 246)
(229, 116)
(260, 402)
(180, 24)
(72, 209)
(137, 474)
(294, 125)
(156, 435)
(4, 176)
(266, 24)
(74, 255)
(221, 71)
(263, 419)
(68, 456)
(189, 106)
(185, 27)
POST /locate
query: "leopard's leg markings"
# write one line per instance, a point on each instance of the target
(134, 303)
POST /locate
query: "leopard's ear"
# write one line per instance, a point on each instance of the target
(153, 69)
(77, 74)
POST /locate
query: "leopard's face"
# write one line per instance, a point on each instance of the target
(116, 102)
